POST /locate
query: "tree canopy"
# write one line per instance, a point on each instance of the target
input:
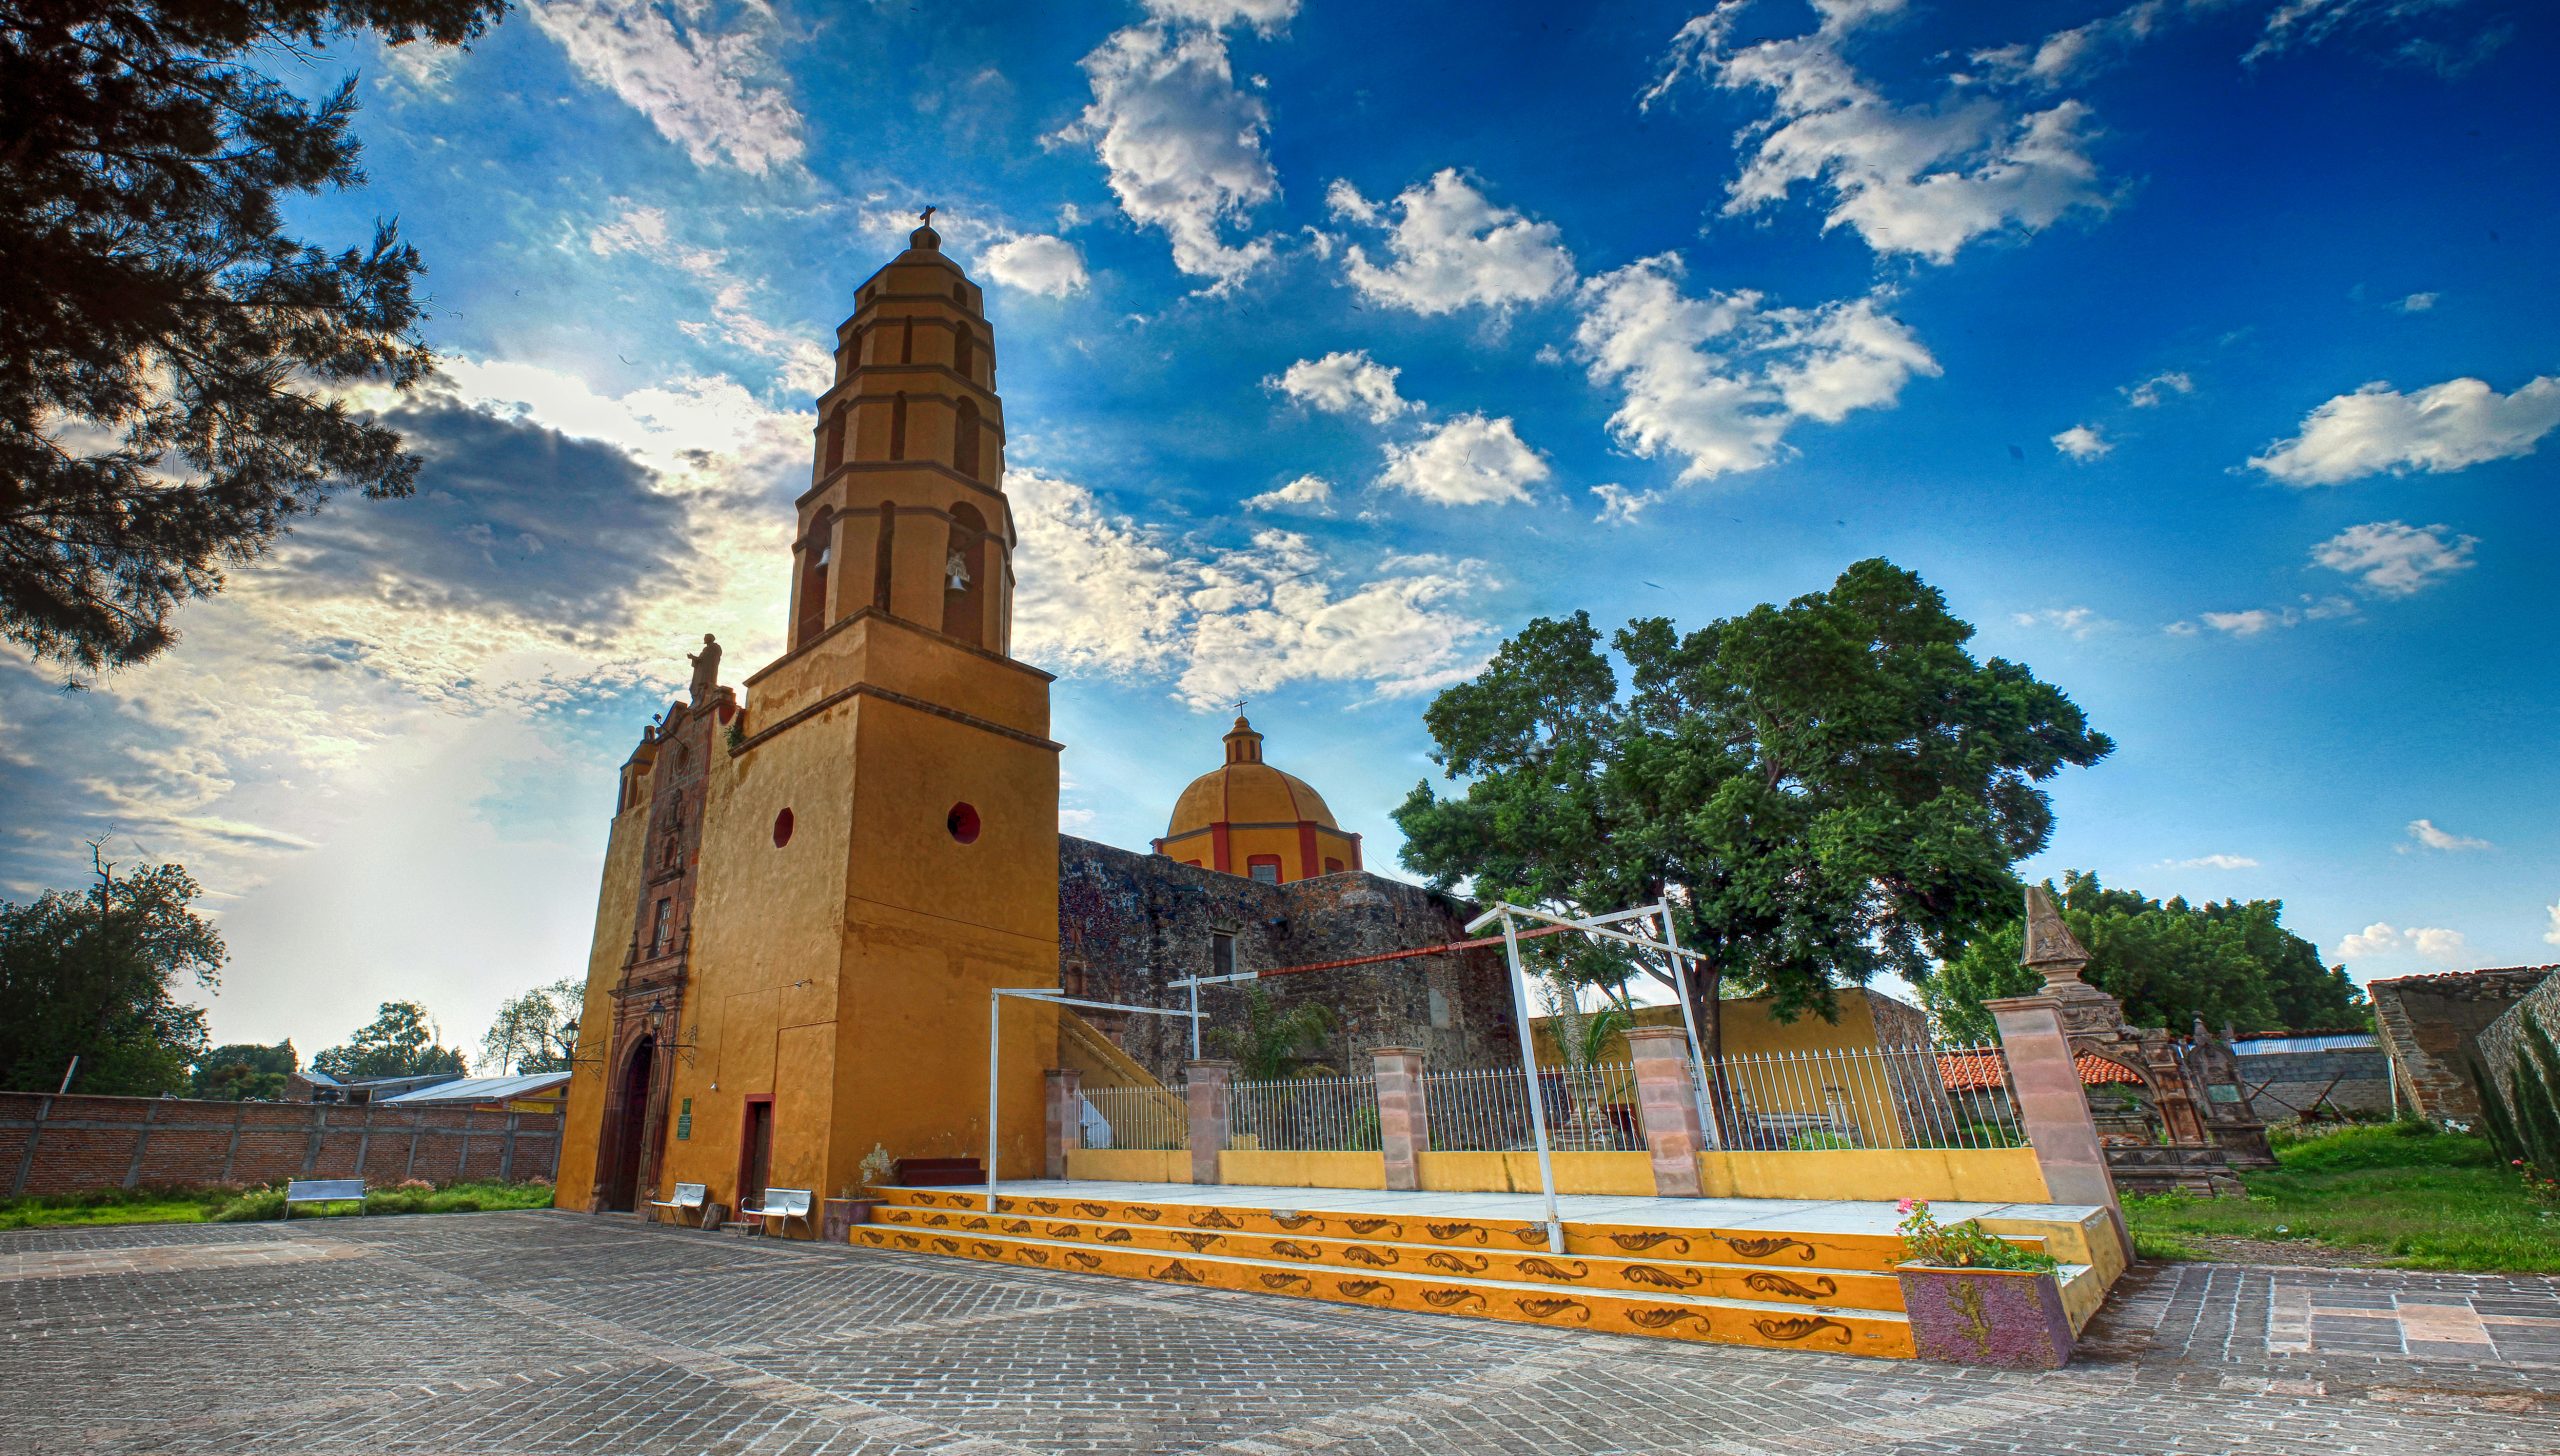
(171, 360)
(245, 1072)
(95, 975)
(399, 1042)
(2231, 962)
(1824, 790)
(537, 1031)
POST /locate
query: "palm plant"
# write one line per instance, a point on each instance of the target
(1272, 1038)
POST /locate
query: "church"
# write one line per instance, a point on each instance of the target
(813, 888)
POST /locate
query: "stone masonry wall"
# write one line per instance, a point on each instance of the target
(1130, 923)
(2287, 1085)
(2502, 1041)
(2432, 1024)
(71, 1144)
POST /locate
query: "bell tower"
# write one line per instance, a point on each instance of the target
(905, 512)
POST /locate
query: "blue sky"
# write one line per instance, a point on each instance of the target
(2201, 351)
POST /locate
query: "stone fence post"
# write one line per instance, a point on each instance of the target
(2052, 1108)
(1404, 1122)
(1066, 1123)
(1667, 1108)
(1207, 1094)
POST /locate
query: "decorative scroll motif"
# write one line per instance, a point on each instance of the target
(948, 1246)
(1535, 1233)
(1093, 1210)
(1363, 1288)
(1663, 1319)
(1550, 1269)
(1013, 1226)
(1362, 1254)
(1295, 1251)
(1647, 1243)
(990, 1250)
(1459, 1263)
(1043, 1205)
(1800, 1327)
(1453, 1299)
(1760, 1281)
(1198, 1242)
(1140, 1210)
(1763, 1248)
(1288, 1283)
(1661, 1278)
(1292, 1222)
(1117, 1236)
(1367, 1226)
(1446, 1231)
(1033, 1256)
(1082, 1260)
(1177, 1272)
(940, 1220)
(1212, 1218)
(1545, 1308)
(1064, 1231)
(908, 1241)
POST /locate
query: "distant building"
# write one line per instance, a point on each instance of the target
(532, 1092)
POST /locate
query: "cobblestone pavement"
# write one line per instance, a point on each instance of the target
(544, 1332)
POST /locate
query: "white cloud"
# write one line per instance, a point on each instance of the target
(1036, 263)
(1719, 380)
(1620, 506)
(2053, 59)
(2075, 622)
(2394, 558)
(2255, 620)
(2082, 443)
(1469, 460)
(2425, 832)
(2246, 624)
(1311, 493)
(2444, 427)
(2153, 392)
(1450, 248)
(2551, 915)
(715, 92)
(1344, 382)
(2417, 302)
(2390, 23)
(1103, 594)
(2382, 939)
(2212, 862)
(1263, 15)
(805, 365)
(1924, 179)
(1182, 146)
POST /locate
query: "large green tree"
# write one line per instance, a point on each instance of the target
(170, 357)
(245, 1072)
(95, 975)
(398, 1042)
(535, 1032)
(1823, 790)
(2231, 962)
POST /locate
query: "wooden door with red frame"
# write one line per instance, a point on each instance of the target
(755, 1153)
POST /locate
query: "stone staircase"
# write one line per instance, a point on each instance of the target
(1823, 1291)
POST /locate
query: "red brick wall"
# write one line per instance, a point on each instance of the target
(69, 1144)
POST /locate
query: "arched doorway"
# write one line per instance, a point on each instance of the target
(630, 1119)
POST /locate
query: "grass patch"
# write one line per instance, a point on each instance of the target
(235, 1204)
(2417, 1197)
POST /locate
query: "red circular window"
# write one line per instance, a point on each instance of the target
(782, 829)
(963, 823)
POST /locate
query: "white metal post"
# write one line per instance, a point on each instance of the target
(1689, 1018)
(1529, 1069)
(1195, 1020)
(995, 1017)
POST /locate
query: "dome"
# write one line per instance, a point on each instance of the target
(1245, 790)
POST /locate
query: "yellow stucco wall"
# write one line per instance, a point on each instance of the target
(1619, 1174)
(1130, 1165)
(1303, 1169)
(1985, 1175)
(617, 909)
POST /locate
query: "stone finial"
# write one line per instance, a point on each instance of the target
(2052, 951)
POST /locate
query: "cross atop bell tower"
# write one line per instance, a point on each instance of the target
(906, 511)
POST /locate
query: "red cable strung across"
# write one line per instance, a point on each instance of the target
(1402, 955)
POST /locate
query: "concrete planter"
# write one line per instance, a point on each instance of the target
(843, 1213)
(2010, 1319)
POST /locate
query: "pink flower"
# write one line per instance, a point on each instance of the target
(1903, 1207)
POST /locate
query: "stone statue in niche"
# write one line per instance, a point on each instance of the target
(706, 668)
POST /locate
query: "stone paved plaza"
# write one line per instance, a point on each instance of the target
(544, 1332)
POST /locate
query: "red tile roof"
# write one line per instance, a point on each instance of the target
(1982, 1071)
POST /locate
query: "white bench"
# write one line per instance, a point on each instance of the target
(785, 1204)
(692, 1198)
(323, 1190)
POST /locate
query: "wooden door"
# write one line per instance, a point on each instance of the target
(755, 1153)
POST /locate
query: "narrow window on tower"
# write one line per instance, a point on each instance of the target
(964, 445)
(658, 932)
(898, 427)
(816, 553)
(964, 573)
(907, 342)
(883, 555)
(964, 353)
(835, 437)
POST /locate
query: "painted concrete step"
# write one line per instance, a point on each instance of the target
(1792, 1286)
(1657, 1315)
(1768, 1248)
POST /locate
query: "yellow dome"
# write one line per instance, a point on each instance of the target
(1245, 790)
